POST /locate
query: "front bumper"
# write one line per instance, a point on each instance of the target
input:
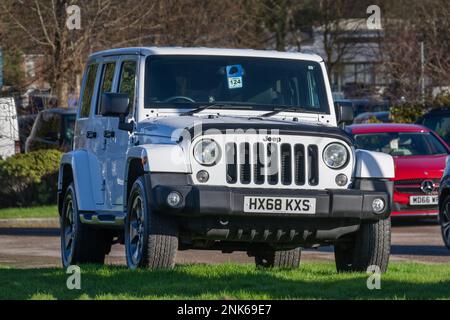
(402, 208)
(405, 210)
(210, 201)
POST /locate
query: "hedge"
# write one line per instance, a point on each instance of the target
(29, 179)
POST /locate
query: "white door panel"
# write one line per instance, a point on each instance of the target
(117, 145)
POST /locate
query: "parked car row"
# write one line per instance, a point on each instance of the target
(48, 129)
(438, 120)
(52, 129)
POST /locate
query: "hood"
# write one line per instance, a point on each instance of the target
(173, 127)
(419, 167)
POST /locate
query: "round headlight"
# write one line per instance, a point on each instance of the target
(207, 152)
(335, 155)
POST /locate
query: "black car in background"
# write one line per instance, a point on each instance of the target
(361, 106)
(52, 129)
(366, 117)
(438, 120)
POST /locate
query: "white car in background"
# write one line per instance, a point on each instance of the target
(9, 128)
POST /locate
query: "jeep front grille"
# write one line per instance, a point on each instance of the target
(271, 163)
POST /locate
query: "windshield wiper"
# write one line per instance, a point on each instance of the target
(213, 105)
(201, 108)
(283, 109)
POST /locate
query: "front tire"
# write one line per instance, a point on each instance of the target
(444, 221)
(151, 240)
(286, 259)
(80, 243)
(370, 246)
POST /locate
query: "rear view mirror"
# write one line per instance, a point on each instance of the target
(344, 114)
(115, 104)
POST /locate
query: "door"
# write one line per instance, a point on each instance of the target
(119, 140)
(85, 134)
(100, 125)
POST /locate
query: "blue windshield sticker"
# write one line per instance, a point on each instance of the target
(234, 76)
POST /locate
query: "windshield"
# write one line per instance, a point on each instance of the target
(256, 83)
(401, 144)
(440, 125)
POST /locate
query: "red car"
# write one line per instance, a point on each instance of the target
(419, 156)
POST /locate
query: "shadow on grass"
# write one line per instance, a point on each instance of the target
(214, 282)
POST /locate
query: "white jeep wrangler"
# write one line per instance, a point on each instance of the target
(218, 149)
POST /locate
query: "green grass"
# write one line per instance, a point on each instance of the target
(228, 281)
(35, 212)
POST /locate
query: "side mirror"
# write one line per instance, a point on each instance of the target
(344, 114)
(114, 104)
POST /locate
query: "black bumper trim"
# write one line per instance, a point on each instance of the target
(224, 201)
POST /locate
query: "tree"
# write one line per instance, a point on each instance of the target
(39, 26)
(13, 74)
(427, 22)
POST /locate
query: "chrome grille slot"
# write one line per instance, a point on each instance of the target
(313, 165)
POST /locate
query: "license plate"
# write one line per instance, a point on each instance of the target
(280, 205)
(423, 200)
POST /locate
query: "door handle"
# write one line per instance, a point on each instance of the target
(91, 134)
(109, 134)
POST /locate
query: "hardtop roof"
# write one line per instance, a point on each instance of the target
(146, 51)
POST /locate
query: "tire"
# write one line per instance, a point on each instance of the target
(444, 221)
(151, 240)
(371, 245)
(286, 259)
(80, 243)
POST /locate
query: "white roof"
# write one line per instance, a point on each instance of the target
(208, 52)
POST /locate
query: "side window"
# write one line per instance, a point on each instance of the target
(128, 80)
(106, 83)
(88, 91)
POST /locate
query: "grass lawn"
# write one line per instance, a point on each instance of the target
(228, 281)
(35, 212)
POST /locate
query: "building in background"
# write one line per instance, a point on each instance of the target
(352, 54)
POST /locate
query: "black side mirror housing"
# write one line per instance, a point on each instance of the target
(344, 114)
(116, 105)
